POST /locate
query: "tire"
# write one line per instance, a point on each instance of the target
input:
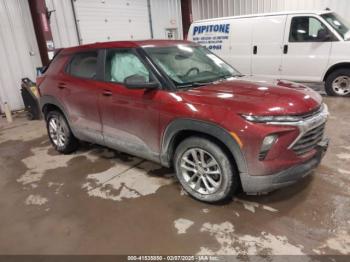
(62, 140)
(338, 83)
(218, 172)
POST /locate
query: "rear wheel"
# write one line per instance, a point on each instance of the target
(204, 170)
(60, 133)
(338, 83)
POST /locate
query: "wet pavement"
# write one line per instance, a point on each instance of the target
(98, 201)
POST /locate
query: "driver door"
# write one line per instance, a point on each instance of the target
(306, 50)
(130, 117)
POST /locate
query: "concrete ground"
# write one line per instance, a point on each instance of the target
(98, 201)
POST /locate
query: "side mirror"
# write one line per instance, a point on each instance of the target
(139, 82)
(40, 70)
(324, 36)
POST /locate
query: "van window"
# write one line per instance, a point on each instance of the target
(309, 29)
(84, 65)
(121, 64)
(340, 25)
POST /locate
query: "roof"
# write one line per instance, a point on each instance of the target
(319, 12)
(126, 44)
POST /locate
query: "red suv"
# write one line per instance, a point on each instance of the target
(176, 103)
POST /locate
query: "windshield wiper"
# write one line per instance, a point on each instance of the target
(195, 84)
(199, 83)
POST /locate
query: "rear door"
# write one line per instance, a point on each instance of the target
(306, 48)
(78, 86)
(267, 43)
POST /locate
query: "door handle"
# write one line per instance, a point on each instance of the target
(107, 93)
(61, 85)
(255, 50)
(285, 49)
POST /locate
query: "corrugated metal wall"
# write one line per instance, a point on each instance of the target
(203, 9)
(165, 14)
(62, 23)
(19, 54)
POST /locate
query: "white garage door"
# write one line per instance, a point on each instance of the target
(19, 54)
(111, 20)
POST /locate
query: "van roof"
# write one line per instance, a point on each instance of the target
(320, 12)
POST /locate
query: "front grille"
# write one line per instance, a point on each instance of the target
(314, 112)
(309, 140)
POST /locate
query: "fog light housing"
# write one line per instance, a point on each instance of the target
(266, 146)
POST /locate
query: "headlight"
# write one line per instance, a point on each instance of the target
(265, 119)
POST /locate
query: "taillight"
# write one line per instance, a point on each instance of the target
(39, 80)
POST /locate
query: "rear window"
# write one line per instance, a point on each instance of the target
(83, 65)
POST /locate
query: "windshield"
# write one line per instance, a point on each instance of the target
(190, 65)
(339, 24)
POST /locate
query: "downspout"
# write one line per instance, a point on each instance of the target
(150, 17)
(76, 23)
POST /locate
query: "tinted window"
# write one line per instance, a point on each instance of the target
(84, 65)
(309, 29)
(120, 64)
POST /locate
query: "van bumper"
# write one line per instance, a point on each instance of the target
(268, 183)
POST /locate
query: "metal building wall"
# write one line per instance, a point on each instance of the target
(62, 23)
(19, 53)
(166, 14)
(203, 9)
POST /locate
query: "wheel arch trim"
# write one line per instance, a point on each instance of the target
(46, 100)
(211, 129)
(332, 68)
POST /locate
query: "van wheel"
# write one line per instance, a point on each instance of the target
(338, 83)
(204, 170)
(60, 133)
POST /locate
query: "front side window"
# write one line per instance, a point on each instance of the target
(309, 29)
(121, 64)
(190, 65)
(339, 24)
(84, 65)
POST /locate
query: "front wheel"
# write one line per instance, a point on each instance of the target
(338, 83)
(204, 170)
(60, 133)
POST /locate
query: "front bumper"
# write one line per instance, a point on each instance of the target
(268, 183)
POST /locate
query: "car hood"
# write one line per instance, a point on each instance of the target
(259, 96)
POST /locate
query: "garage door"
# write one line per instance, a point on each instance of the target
(106, 20)
(19, 54)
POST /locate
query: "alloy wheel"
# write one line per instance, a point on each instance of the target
(201, 171)
(57, 131)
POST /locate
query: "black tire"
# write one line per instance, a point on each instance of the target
(332, 90)
(229, 181)
(70, 143)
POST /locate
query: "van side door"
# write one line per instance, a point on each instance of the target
(268, 32)
(307, 47)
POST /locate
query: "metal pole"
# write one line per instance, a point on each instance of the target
(150, 17)
(42, 29)
(76, 23)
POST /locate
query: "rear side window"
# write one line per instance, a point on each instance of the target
(308, 29)
(83, 65)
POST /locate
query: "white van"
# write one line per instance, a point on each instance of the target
(299, 46)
